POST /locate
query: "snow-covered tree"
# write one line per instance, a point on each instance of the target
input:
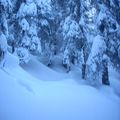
(5, 6)
(3, 48)
(72, 38)
(81, 31)
(27, 19)
(47, 28)
(94, 62)
(109, 27)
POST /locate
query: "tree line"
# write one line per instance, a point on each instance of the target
(82, 32)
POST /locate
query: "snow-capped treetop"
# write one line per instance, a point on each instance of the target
(85, 3)
(43, 2)
(88, 19)
(29, 1)
(98, 48)
(44, 22)
(106, 18)
(35, 44)
(27, 9)
(24, 24)
(25, 41)
(66, 57)
(45, 6)
(3, 42)
(6, 2)
(105, 57)
(23, 54)
(33, 30)
(70, 28)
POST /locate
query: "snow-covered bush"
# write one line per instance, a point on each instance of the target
(23, 55)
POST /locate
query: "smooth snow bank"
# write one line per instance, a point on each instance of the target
(54, 101)
(23, 97)
(56, 72)
(40, 71)
(11, 61)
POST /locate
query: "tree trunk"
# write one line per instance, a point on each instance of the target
(13, 49)
(105, 75)
(83, 70)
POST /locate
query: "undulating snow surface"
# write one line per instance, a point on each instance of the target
(50, 95)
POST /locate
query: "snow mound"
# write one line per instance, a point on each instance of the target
(11, 61)
(40, 71)
(53, 100)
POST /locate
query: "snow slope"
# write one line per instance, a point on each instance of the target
(37, 68)
(40, 71)
(23, 97)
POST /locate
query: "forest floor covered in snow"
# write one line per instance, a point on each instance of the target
(36, 92)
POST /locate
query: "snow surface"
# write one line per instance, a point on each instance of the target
(24, 97)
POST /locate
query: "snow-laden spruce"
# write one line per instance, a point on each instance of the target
(3, 49)
(94, 62)
(27, 9)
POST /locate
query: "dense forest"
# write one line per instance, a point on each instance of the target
(59, 59)
(84, 33)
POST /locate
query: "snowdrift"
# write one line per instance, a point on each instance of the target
(26, 98)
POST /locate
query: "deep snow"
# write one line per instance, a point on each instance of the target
(28, 94)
